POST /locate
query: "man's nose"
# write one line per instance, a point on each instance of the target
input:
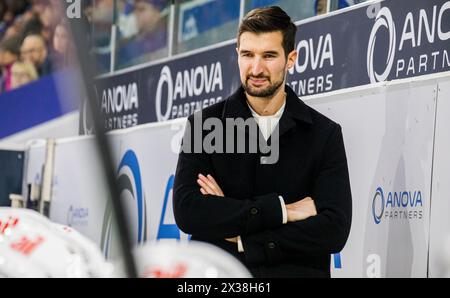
(257, 66)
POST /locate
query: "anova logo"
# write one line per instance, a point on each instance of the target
(397, 205)
(383, 19)
(196, 82)
(378, 205)
(421, 43)
(120, 98)
(130, 187)
(120, 106)
(77, 216)
(314, 54)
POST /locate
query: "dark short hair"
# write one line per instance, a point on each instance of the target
(270, 19)
(11, 44)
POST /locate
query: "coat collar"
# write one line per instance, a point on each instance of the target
(236, 107)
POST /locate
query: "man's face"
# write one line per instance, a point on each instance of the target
(34, 50)
(262, 63)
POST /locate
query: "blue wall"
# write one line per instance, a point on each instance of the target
(37, 102)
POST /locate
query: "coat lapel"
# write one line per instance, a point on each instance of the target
(295, 109)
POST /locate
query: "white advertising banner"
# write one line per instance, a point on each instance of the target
(145, 163)
(79, 192)
(388, 133)
(33, 170)
(439, 258)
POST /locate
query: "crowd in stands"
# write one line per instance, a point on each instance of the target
(35, 35)
(34, 41)
(142, 31)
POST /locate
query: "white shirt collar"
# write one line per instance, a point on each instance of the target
(278, 114)
(267, 124)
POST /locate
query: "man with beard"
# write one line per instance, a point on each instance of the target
(283, 217)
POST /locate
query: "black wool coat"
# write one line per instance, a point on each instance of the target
(311, 162)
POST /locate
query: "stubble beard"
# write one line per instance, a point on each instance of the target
(267, 92)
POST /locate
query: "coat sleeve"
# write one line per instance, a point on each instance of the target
(325, 233)
(212, 216)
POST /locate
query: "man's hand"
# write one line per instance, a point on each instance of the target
(301, 210)
(209, 186)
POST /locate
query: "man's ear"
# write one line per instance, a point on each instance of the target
(237, 50)
(291, 59)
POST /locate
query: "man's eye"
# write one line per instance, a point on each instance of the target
(269, 56)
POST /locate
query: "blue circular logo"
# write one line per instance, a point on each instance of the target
(378, 200)
(383, 19)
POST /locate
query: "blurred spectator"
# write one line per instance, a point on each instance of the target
(101, 18)
(50, 18)
(10, 11)
(13, 9)
(3, 24)
(126, 19)
(31, 30)
(151, 33)
(11, 31)
(38, 6)
(9, 53)
(9, 50)
(321, 6)
(17, 7)
(63, 54)
(22, 73)
(148, 14)
(33, 26)
(34, 50)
